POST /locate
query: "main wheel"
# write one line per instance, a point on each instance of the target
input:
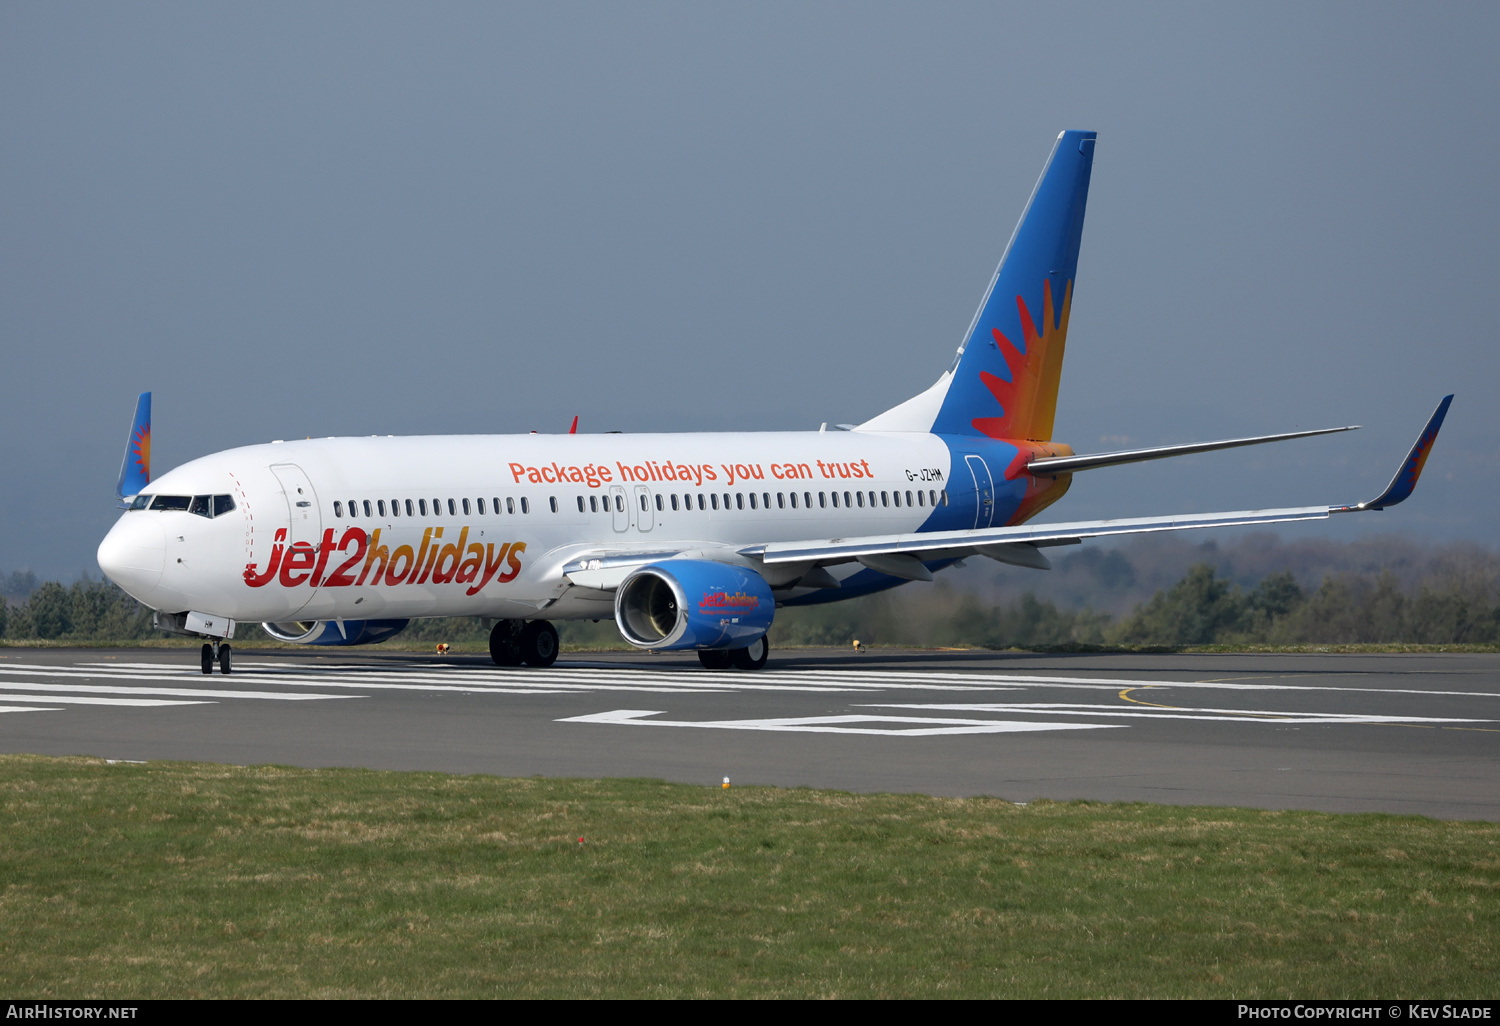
(753, 656)
(225, 660)
(539, 644)
(714, 658)
(505, 643)
(208, 658)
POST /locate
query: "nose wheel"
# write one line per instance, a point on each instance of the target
(216, 651)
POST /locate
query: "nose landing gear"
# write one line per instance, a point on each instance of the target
(217, 651)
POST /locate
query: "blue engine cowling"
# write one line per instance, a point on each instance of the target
(693, 603)
(332, 632)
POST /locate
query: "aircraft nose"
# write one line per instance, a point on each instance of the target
(133, 554)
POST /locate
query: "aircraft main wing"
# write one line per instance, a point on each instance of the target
(903, 555)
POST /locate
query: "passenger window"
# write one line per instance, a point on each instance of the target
(140, 502)
(931, 497)
(752, 500)
(794, 500)
(552, 501)
(396, 508)
(367, 507)
(714, 498)
(781, 499)
(353, 507)
(885, 498)
(765, 499)
(700, 500)
(437, 507)
(338, 510)
(202, 506)
(835, 500)
(525, 504)
(920, 500)
(896, 499)
(421, 504)
(860, 496)
(510, 506)
(674, 501)
(822, 500)
(381, 504)
(726, 500)
(466, 506)
(908, 498)
(658, 501)
(452, 507)
(619, 504)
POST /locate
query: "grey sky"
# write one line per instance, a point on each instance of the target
(315, 219)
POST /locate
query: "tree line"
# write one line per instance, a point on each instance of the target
(1457, 604)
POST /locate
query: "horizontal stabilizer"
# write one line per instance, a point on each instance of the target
(1093, 461)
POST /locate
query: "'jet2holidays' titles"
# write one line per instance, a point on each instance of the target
(457, 562)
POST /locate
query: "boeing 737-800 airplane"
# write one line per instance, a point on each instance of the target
(688, 541)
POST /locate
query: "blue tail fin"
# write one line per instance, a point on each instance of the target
(135, 469)
(1005, 377)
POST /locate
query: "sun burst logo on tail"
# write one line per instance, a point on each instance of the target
(1029, 399)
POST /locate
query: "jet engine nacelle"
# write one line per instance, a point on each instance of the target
(335, 632)
(693, 603)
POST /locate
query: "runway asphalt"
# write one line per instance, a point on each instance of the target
(1345, 733)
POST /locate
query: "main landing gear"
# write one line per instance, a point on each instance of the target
(217, 651)
(751, 657)
(529, 642)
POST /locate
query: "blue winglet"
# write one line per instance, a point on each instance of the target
(135, 468)
(1405, 481)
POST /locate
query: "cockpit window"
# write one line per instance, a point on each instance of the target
(199, 505)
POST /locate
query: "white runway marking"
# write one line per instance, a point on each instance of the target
(147, 685)
(274, 696)
(930, 725)
(1179, 713)
(603, 676)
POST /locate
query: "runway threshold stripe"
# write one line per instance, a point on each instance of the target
(695, 679)
(275, 696)
(72, 700)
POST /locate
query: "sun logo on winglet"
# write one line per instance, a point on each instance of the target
(1029, 398)
(140, 449)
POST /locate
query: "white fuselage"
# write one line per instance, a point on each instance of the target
(494, 518)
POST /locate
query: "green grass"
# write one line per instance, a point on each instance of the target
(184, 880)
